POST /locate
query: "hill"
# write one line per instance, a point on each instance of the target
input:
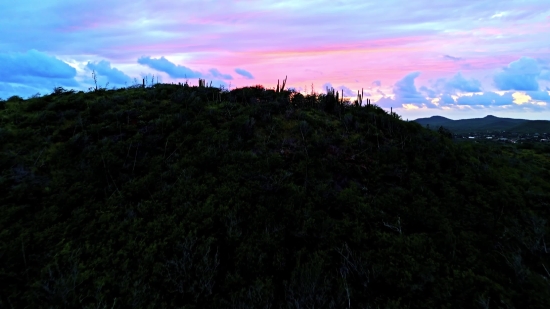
(489, 123)
(434, 121)
(172, 196)
(533, 126)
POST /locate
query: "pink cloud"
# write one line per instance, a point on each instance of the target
(313, 42)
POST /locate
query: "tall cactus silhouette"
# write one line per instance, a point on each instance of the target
(282, 87)
(359, 101)
(331, 99)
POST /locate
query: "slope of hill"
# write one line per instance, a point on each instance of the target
(533, 126)
(191, 197)
(488, 123)
(434, 121)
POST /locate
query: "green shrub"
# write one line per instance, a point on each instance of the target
(15, 98)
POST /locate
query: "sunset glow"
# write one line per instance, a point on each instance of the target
(418, 58)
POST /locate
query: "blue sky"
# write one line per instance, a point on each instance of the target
(458, 59)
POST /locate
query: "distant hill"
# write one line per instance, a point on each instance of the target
(434, 121)
(488, 123)
(532, 126)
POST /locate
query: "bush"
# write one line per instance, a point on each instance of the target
(526, 145)
(15, 98)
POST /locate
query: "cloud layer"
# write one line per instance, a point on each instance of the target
(522, 74)
(448, 58)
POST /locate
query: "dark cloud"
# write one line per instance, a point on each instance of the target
(34, 65)
(244, 73)
(446, 99)
(486, 99)
(519, 75)
(429, 92)
(113, 75)
(405, 90)
(174, 71)
(539, 95)
(406, 93)
(25, 74)
(216, 73)
(452, 58)
(460, 83)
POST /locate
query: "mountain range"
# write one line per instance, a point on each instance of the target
(488, 123)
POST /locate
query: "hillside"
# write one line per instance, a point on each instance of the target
(434, 121)
(172, 196)
(533, 126)
(489, 123)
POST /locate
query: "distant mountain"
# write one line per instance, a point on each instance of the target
(434, 121)
(488, 123)
(533, 126)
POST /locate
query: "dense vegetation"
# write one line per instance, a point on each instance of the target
(172, 196)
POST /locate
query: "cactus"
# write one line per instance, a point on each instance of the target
(359, 101)
(330, 91)
(202, 82)
(282, 87)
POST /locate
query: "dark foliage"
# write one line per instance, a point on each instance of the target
(173, 196)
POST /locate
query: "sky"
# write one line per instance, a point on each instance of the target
(454, 58)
